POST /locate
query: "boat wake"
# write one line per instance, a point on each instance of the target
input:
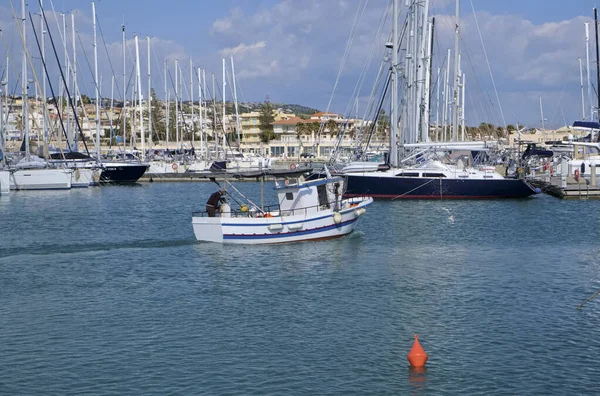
(48, 250)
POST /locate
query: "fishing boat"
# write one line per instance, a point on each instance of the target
(308, 210)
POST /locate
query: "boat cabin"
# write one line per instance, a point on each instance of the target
(297, 195)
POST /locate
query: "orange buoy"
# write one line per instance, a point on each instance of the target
(417, 356)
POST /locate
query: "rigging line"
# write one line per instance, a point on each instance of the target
(112, 70)
(51, 88)
(64, 81)
(487, 61)
(344, 58)
(29, 59)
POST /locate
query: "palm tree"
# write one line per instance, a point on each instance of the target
(333, 128)
(301, 130)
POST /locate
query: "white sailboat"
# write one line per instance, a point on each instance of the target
(31, 172)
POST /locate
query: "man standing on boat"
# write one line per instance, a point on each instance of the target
(214, 201)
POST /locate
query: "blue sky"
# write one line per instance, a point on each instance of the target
(292, 50)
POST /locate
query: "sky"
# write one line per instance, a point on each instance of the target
(293, 51)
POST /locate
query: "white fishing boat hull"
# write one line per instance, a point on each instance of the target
(40, 179)
(4, 182)
(324, 224)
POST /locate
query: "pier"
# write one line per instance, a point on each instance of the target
(567, 187)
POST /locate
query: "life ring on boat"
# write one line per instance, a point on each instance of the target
(292, 166)
(546, 166)
(174, 166)
(268, 215)
(576, 174)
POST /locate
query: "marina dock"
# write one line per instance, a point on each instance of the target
(566, 188)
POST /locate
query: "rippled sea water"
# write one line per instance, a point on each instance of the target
(105, 291)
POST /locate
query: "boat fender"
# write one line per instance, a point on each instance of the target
(538, 190)
(359, 212)
(276, 227)
(337, 218)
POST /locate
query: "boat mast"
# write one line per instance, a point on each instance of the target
(96, 83)
(215, 135)
(587, 60)
(25, 114)
(139, 89)
(427, 31)
(167, 109)
(462, 111)
(206, 105)
(67, 77)
(597, 61)
(124, 108)
(542, 114)
(394, 82)
(176, 103)
(446, 97)
(74, 132)
(237, 115)
(43, 33)
(201, 126)
(582, 91)
(455, 94)
(149, 97)
(224, 115)
(192, 98)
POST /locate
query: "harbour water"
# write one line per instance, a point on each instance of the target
(105, 291)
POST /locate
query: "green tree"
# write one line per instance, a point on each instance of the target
(158, 118)
(332, 127)
(85, 100)
(265, 120)
(383, 125)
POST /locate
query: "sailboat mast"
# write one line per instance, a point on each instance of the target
(587, 66)
(201, 126)
(149, 97)
(74, 49)
(542, 114)
(394, 82)
(237, 115)
(455, 94)
(582, 91)
(597, 61)
(96, 83)
(206, 105)
(139, 89)
(192, 97)
(67, 78)
(223, 122)
(176, 103)
(167, 109)
(43, 33)
(25, 114)
(124, 108)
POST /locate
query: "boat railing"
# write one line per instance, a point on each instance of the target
(275, 210)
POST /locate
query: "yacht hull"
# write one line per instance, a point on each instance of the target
(122, 173)
(40, 179)
(435, 188)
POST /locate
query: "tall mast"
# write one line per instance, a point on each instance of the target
(167, 109)
(237, 115)
(124, 108)
(215, 134)
(446, 96)
(149, 97)
(96, 83)
(201, 126)
(455, 94)
(176, 103)
(462, 111)
(427, 38)
(542, 114)
(582, 92)
(206, 99)
(43, 33)
(437, 104)
(597, 61)
(393, 156)
(192, 97)
(67, 77)
(223, 122)
(587, 60)
(73, 46)
(139, 89)
(25, 115)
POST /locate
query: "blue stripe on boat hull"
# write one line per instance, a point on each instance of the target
(289, 234)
